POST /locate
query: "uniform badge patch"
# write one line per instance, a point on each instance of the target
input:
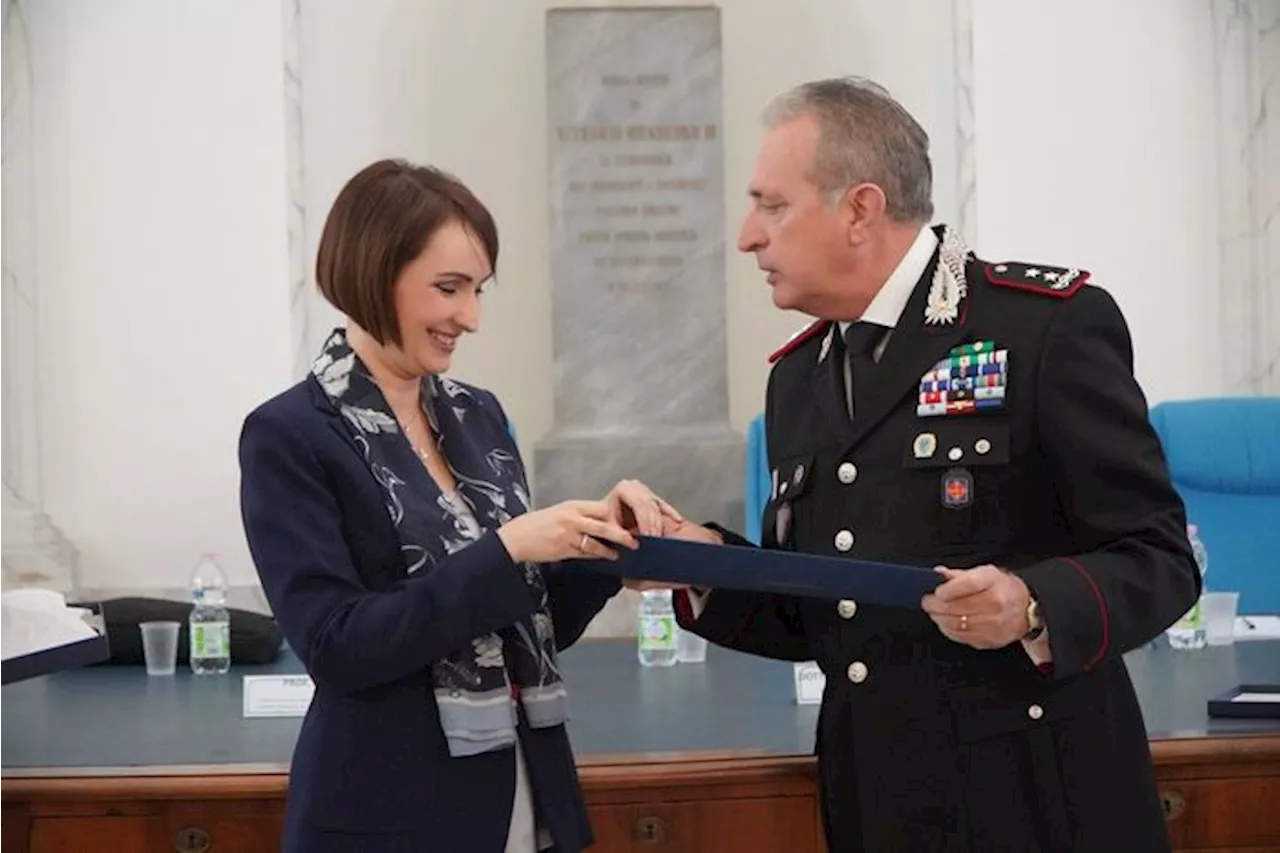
(957, 488)
(924, 445)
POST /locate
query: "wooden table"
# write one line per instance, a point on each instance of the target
(703, 757)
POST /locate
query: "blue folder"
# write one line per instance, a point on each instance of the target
(769, 570)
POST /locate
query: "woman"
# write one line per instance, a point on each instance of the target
(386, 510)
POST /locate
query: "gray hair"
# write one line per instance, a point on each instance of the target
(865, 136)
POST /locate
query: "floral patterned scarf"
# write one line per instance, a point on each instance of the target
(471, 685)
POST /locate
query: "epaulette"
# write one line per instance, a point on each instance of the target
(1061, 282)
(793, 343)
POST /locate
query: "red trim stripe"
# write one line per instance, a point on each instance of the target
(1102, 608)
(1020, 284)
(805, 334)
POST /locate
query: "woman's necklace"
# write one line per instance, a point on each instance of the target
(404, 425)
(419, 449)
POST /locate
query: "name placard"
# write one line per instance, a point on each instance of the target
(277, 695)
(809, 683)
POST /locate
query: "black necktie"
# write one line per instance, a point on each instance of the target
(860, 341)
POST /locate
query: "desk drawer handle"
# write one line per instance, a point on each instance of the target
(650, 830)
(192, 839)
(1173, 804)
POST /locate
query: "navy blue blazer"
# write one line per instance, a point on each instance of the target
(371, 770)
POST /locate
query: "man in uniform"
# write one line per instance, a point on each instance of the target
(983, 418)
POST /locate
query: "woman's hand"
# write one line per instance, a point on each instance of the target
(634, 506)
(564, 532)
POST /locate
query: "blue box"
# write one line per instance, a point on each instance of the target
(58, 658)
(1226, 705)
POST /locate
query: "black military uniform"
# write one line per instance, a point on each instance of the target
(925, 744)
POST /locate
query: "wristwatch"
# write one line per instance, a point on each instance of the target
(1034, 621)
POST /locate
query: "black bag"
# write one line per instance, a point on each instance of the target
(255, 637)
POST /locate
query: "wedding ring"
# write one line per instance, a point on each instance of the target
(964, 623)
(582, 546)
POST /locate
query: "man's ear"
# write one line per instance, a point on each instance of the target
(863, 206)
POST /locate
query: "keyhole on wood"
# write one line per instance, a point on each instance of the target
(650, 830)
(192, 840)
(1173, 804)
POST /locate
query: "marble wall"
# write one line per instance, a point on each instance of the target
(20, 406)
(35, 551)
(303, 343)
(1247, 56)
(966, 175)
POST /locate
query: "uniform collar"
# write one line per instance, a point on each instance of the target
(887, 306)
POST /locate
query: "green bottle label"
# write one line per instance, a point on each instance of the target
(211, 640)
(658, 633)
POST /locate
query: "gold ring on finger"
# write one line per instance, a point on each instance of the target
(964, 623)
(582, 546)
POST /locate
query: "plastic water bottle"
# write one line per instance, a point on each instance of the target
(1188, 632)
(210, 623)
(657, 634)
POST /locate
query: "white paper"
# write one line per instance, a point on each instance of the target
(277, 695)
(809, 683)
(1253, 627)
(35, 620)
(1256, 697)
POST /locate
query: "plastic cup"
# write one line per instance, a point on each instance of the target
(1218, 610)
(690, 648)
(160, 646)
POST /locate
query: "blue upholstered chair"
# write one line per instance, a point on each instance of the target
(755, 479)
(1224, 456)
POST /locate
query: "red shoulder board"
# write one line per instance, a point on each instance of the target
(810, 331)
(1036, 278)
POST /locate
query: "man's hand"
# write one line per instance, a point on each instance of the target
(983, 607)
(689, 532)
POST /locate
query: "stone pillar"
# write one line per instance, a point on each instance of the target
(638, 266)
(34, 551)
(1246, 38)
(305, 343)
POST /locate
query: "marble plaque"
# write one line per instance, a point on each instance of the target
(638, 264)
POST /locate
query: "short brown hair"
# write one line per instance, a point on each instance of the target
(380, 221)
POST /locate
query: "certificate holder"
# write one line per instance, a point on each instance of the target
(771, 570)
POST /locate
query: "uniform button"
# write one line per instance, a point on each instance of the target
(847, 472)
(1035, 712)
(857, 672)
(844, 540)
(954, 454)
(847, 608)
(982, 446)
